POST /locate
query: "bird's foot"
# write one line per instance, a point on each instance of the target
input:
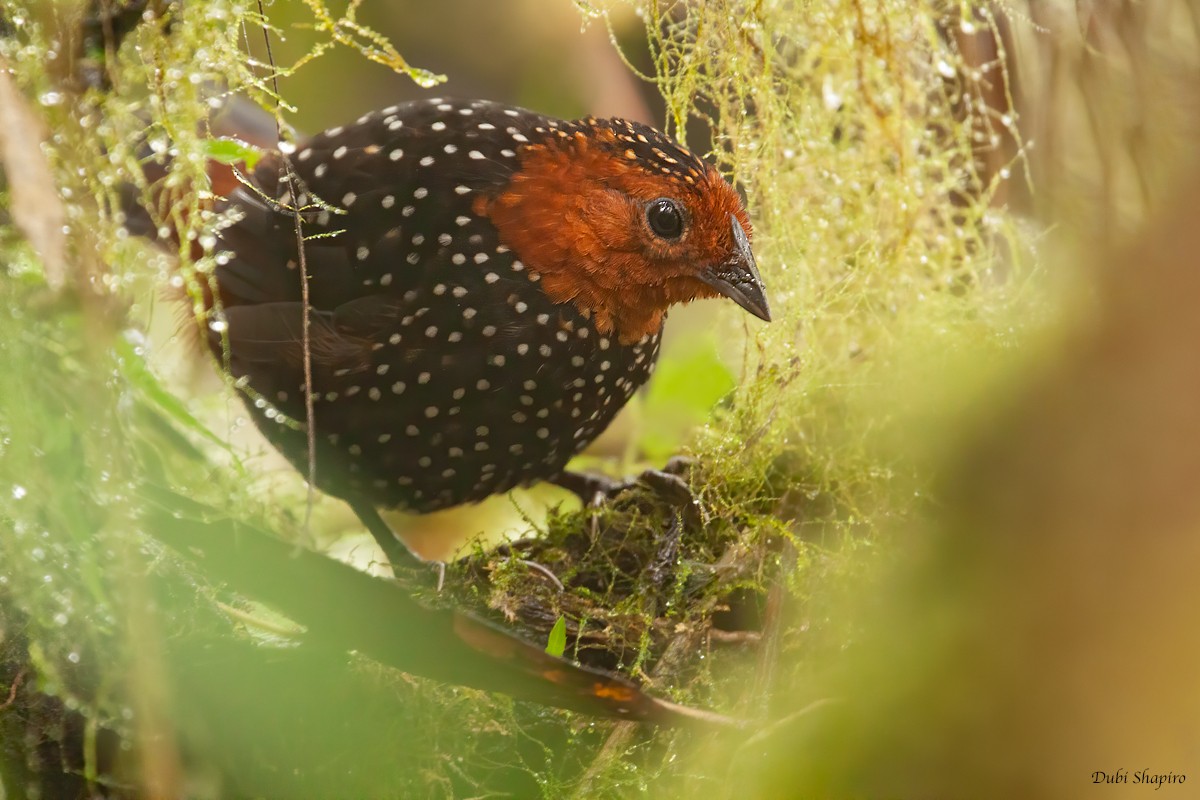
(398, 555)
(669, 483)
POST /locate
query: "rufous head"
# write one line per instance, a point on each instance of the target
(624, 223)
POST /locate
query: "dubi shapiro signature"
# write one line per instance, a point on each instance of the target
(1145, 776)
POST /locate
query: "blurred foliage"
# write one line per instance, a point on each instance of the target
(913, 169)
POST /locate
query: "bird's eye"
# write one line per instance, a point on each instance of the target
(665, 218)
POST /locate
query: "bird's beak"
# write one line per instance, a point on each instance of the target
(737, 277)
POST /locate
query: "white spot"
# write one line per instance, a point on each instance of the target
(355, 450)
(458, 393)
(305, 154)
(426, 161)
(362, 253)
(385, 279)
(498, 360)
(482, 385)
(413, 258)
(486, 126)
(418, 238)
(519, 417)
(353, 390)
(439, 288)
(458, 258)
(431, 411)
(431, 331)
(341, 151)
(604, 365)
(382, 369)
(507, 153)
(388, 201)
(460, 189)
(480, 258)
(466, 112)
(398, 387)
(444, 239)
(521, 307)
(461, 220)
(577, 361)
(517, 266)
(424, 461)
(445, 107)
(561, 336)
(320, 170)
(542, 319)
(543, 433)
(481, 446)
(475, 154)
(519, 138)
(412, 430)
(407, 211)
(526, 400)
(396, 125)
(510, 112)
(373, 393)
(394, 338)
(396, 154)
(450, 149)
(384, 438)
(545, 350)
(522, 349)
(423, 377)
(489, 330)
(455, 336)
(491, 277)
(334, 131)
(420, 192)
(348, 199)
(459, 291)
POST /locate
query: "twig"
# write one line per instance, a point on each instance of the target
(302, 261)
(12, 690)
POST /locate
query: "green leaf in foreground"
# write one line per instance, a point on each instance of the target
(227, 150)
(556, 643)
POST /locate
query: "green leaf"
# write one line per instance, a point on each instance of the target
(140, 378)
(688, 382)
(227, 150)
(556, 644)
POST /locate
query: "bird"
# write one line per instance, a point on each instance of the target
(486, 288)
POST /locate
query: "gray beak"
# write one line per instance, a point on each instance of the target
(737, 278)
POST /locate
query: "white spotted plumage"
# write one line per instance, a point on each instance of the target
(450, 374)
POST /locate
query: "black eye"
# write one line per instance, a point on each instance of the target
(665, 218)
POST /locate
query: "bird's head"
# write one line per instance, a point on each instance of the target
(623, 222)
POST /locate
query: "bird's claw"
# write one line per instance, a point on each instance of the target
(669, 483)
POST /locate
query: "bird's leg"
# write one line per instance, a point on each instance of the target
(669, 483)
(397, 554)
(592, 489)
